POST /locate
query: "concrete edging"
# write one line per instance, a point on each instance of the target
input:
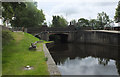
(52, 68)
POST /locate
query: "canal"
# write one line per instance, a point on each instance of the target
(86, 59)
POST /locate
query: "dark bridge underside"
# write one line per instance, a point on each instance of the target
(59, 38)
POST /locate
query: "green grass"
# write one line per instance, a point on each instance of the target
(16, 55)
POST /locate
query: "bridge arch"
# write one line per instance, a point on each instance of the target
(58, 37)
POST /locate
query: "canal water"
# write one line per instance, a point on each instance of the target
(86, 59)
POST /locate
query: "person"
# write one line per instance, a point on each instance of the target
(23, 29)
(34, 46)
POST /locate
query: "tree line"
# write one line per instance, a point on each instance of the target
(26, 14)
(99, 23)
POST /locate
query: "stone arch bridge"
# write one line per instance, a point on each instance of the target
(45, 32)
(80, 36)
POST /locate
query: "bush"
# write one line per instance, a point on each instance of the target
(6, 37)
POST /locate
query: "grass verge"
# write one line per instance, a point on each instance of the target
(16, 55)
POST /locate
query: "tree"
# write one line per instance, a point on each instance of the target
(45, 23)
(73, 22)
(25, 14)
(29, 16)
(59, 21)
(103, 19)
(83, 22)
(117, 14)
(94, 23)
(8, 10)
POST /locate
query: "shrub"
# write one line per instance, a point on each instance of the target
(6, 37)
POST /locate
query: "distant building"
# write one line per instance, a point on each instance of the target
(112, 26)
(109, 26)
(117, 26)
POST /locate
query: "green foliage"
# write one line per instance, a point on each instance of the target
(45, 23)
(59, 21)
(25, 14)
(103, 19)
(7, 11)
(6, 37)
(94, 23)
(73, 22)
(82, 22)
(9, 8)
(117, 14)
(99, 23)
(29, 17)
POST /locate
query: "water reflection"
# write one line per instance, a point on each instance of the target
(86, 66)
(118, 65)
(86, 59)
(103, 61)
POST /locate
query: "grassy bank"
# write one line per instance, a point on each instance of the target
(16, 55)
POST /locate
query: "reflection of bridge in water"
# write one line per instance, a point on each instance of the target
(104, 54)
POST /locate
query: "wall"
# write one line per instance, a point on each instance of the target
(52, 68)
(71, 37)
(97, 37)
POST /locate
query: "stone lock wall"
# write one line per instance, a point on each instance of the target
(98, 37)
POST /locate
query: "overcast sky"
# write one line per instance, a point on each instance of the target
(75, 9)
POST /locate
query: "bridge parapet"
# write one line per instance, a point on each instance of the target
(48, 29)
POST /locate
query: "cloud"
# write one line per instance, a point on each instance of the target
(75, 9)
(102, 4)
(71, 1)
(66, 9)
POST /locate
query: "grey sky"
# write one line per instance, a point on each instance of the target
(75, 9)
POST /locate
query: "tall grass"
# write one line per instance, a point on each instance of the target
(6, 37)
